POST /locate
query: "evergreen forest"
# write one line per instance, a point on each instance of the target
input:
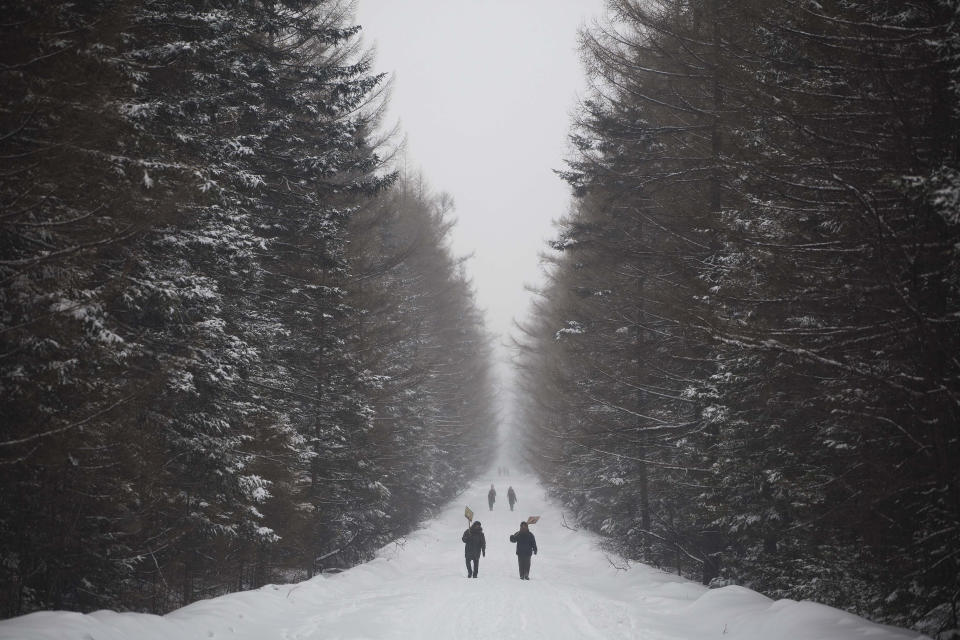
(234, 346)
(743, 366)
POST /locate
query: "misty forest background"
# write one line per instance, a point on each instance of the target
(236, 349)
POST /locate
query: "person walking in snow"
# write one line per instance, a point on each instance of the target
(475, 543)
(511, 497)
(491, 496)
(526, 545)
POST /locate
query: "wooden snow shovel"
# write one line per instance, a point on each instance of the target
(468, 514)
(533, 519)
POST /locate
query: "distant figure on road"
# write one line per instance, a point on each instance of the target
(526, 545)
(511, 497)
(475, 543)
(491, 496)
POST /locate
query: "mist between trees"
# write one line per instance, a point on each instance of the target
(234, 347)
(743, 365)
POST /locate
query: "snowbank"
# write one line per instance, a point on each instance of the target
(417, 588)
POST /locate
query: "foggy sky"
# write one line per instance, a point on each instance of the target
(483, 91)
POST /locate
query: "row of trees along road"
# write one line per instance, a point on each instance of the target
(207, 381)
(743, 364)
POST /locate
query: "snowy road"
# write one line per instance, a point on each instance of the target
(417, 588)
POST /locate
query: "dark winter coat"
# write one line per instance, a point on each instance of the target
(526, 543)
(511, 496)
(474, 542)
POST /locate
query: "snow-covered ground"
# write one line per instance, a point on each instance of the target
(417, 588)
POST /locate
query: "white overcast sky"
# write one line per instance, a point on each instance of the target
(483, 91)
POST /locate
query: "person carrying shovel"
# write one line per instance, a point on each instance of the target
(474, 544)
(526, 547)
